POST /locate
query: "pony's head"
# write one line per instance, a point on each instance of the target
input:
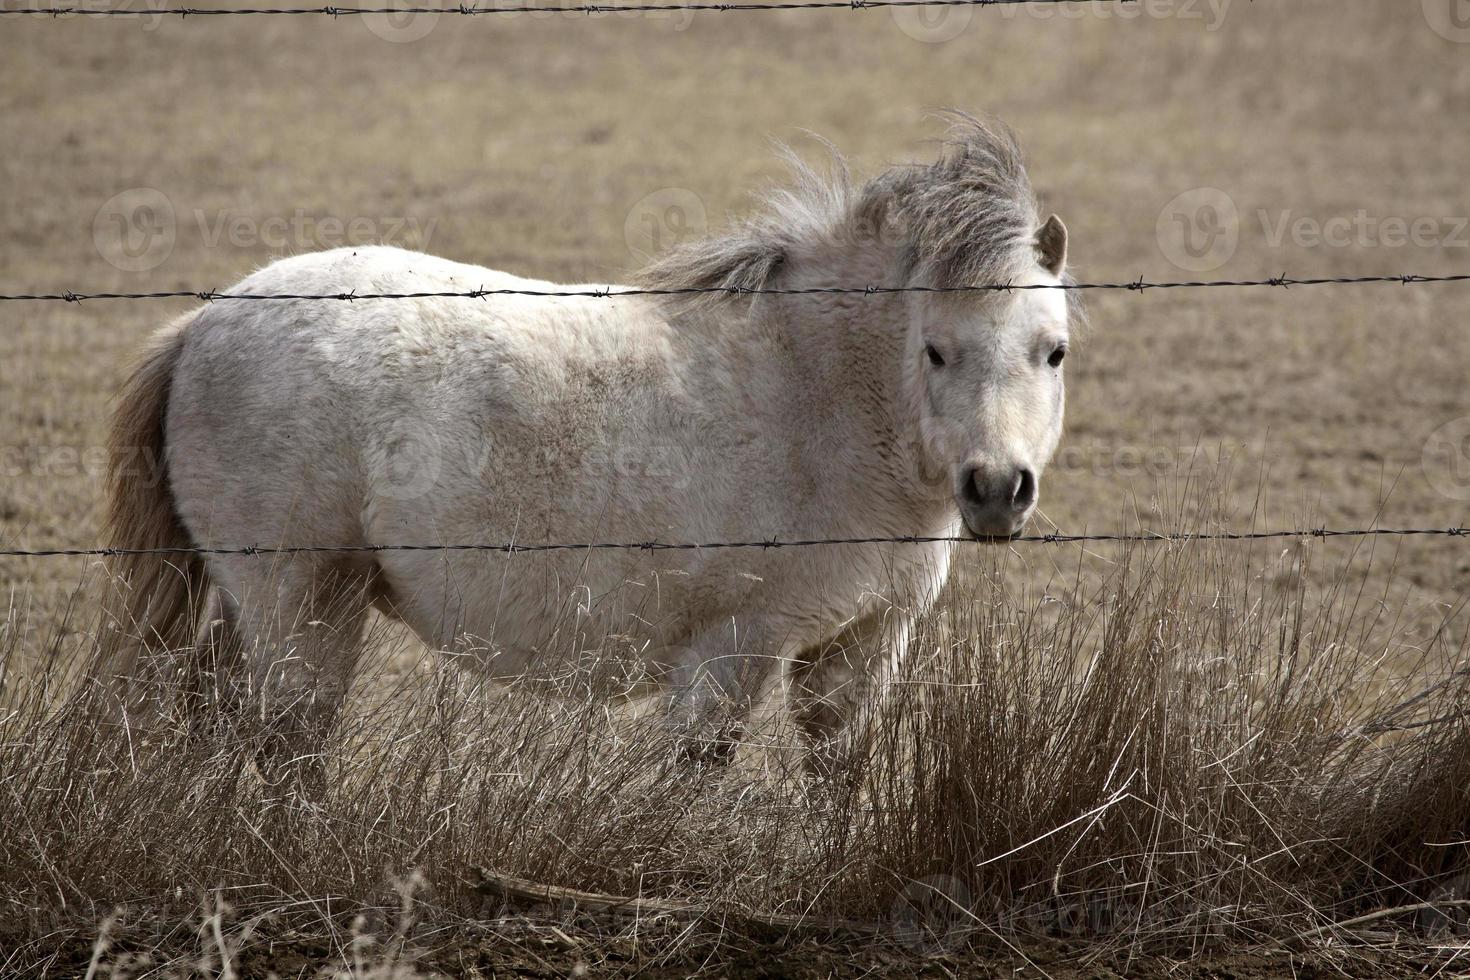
(986, 384)
(977, 386)
(983, 370)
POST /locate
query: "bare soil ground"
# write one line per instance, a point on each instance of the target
(534, 144)
(547, 941)
(566, 952)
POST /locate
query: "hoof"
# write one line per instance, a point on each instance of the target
(714, 751)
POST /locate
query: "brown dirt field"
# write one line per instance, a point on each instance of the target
(527, 948)
(528, 144)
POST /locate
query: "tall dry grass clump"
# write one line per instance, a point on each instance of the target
(1211, 743)
(1206, 747)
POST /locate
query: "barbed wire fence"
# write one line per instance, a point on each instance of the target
(1138, 285)
(475, 10)
(767, 544)
(512, 548)
(610, 292)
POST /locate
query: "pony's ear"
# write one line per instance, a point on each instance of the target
(1051, 242)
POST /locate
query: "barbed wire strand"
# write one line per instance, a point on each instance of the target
(1138, 285)
(765, 544)
(473, 10)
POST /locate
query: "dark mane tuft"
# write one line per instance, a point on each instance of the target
(968, 218)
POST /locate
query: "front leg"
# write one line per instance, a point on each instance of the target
(716, 679)
(835, 691)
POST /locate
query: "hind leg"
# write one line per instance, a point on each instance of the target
(298, 626)
(206, 688)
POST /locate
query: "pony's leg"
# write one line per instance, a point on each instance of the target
(711, 692)
(206, 689)
(300, 625)
(835, 692)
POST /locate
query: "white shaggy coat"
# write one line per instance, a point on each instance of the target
(538, 420)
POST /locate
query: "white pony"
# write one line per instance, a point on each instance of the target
(741, 417)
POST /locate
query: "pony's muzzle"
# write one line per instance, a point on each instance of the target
(996, 502)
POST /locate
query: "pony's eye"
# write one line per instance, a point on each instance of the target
(935, 358)
(1057, 357)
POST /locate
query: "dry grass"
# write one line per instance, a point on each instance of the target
(1207, 753)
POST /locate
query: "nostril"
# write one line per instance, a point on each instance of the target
(1023, 494)
(974, 493)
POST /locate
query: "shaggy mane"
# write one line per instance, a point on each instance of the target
(968, 218)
